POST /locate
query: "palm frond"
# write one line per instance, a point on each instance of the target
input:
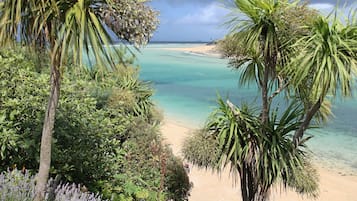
(327, 61)
(77, 28)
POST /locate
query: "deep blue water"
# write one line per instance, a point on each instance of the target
(187, 84)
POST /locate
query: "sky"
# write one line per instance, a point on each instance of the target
(203, 20)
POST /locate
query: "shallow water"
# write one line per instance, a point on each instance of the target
(187, 85)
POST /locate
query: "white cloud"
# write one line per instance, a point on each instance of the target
(322, 6)
(211, 14)
(327, 8)
(180, 2)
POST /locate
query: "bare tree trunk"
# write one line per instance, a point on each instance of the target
(310, 114)
(47, 130)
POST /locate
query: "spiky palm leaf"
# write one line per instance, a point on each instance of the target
(279, 159)
(262, 29)
(326, 64)
(236, 133)
(77, 28)
(256, 32)
(328, 59)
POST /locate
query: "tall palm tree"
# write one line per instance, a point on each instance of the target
(257, 30)
(262, 35)
(314, 60)
(71, 29)
(326, 65)
(233, 137)
(259, 147)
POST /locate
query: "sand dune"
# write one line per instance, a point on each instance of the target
(209, 186)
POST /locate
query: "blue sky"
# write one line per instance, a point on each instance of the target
(201, 20)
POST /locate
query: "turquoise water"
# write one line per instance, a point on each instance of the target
(186, 86)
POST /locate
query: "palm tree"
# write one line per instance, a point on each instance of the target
(313, 59)
(326, 65)
(260, 43)
(233, 137)
(257, 31)
(71, 29)
(260, 147)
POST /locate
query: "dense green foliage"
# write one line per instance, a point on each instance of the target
(201, 149)
(106, 136)
(66, 31)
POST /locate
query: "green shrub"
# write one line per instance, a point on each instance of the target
(201, 149)
(150, 171)
(100, 140)
(23, 94)
(176, 180)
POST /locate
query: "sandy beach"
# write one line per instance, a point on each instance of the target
(209, 186)
(208, 50)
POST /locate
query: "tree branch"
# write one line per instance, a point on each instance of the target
(233, 108)
(309, 115)
(281, 87)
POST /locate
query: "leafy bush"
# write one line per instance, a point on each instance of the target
(150, 171)
(23, 94)
(84, 137)
(176, 181)
(201, 149)
(100, 139)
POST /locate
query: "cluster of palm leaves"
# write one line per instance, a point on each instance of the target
(76, 27)
(132, 94)
(260, 154)
(325, 65)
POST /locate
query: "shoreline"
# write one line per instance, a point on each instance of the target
(199, 49)
(334, 183)
(210, 50)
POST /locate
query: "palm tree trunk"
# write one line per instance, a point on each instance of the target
(48, 125)
(265, 109)
(248, 183)
(243, 183)
(252, 183)
(310, 114)
(270, 54)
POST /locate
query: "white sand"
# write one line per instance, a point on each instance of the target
(209, 186)
(209, 50)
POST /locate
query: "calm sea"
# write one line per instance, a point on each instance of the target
(187, 85)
